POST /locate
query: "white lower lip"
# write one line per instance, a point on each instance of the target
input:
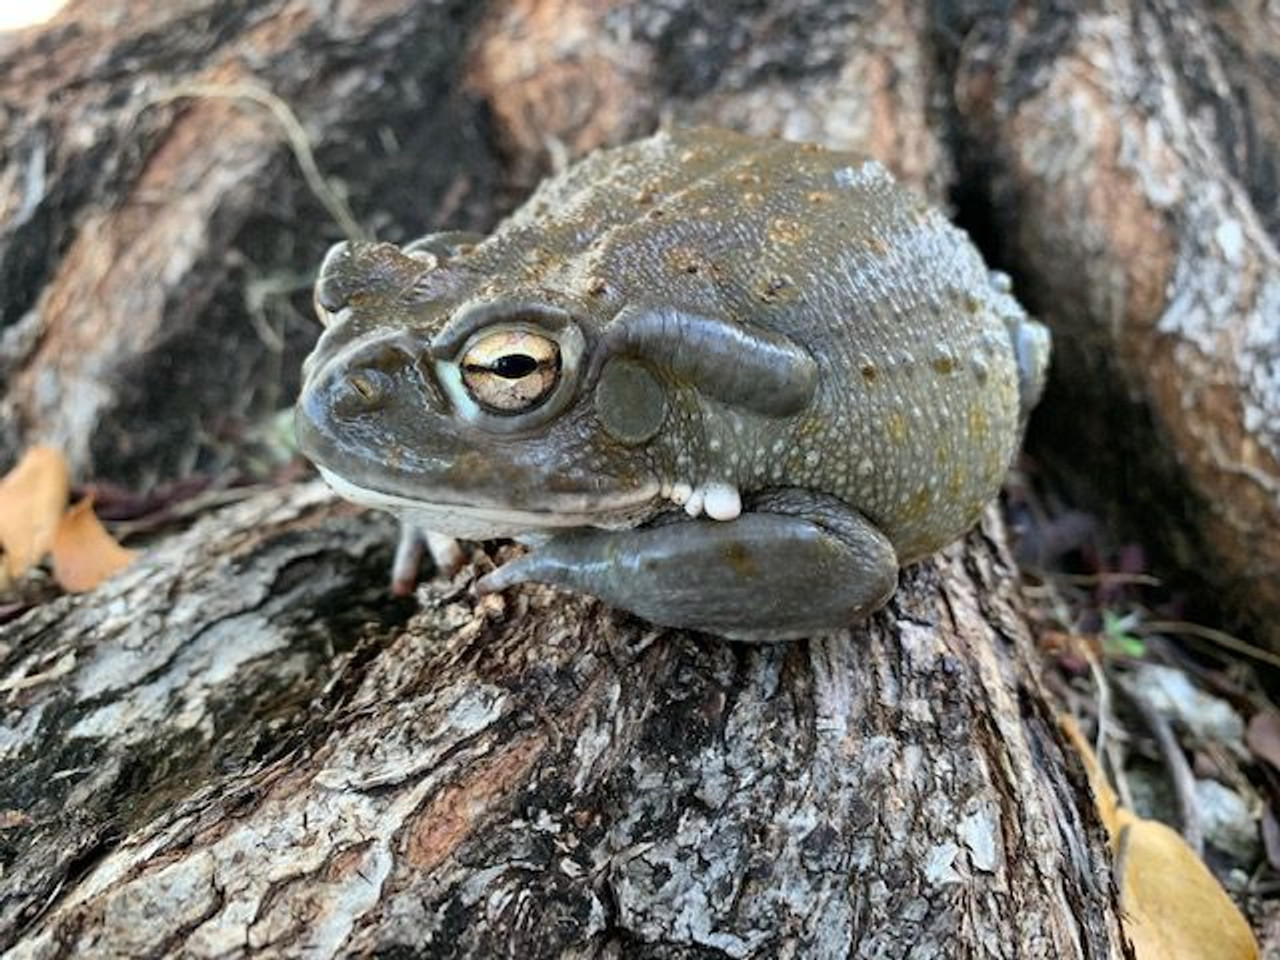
(479, 522)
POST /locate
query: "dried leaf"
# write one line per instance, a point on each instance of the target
(33, 497)
(1263, 736)
(84, 554)
(1174, 908)
(1106, 799)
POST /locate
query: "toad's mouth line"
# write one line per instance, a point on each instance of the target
(484, 521)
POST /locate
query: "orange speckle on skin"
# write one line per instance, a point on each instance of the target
(996, 463)
(896, 427)
(739, 558)
(684, 260)
(777, 288)
(783, 230)
(875, 245)
(916, 507)
(978, 421)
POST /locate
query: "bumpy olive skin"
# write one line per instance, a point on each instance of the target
(774, 333)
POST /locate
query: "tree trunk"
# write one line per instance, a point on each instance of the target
(1130, 161)
(237, 746)
(242, 745)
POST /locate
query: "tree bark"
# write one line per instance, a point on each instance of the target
(241, 745)
(158, 240)
(1131, 158)
(236, 746)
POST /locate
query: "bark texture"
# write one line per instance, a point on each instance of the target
(216, 755)
(1131, 158)
(241, 746)
(158, 242)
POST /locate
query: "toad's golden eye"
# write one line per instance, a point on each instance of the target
(511, 371)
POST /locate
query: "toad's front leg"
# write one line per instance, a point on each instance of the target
(794, 565)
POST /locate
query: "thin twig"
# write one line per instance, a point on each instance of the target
(1119, 779)
(1184, 781)
(1104, 744)
(1096, 579)
(299, 142)
(1104, 702)
(1209, 634)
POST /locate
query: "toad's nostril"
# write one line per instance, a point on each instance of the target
(365, 377)
(361, 391)
(330, 293)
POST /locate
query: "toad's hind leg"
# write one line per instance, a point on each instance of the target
(795, 565)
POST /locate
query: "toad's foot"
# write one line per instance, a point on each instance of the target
(446, 555)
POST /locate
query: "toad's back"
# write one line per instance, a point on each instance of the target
(917, 411)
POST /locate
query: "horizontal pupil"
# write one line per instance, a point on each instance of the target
(513, 366)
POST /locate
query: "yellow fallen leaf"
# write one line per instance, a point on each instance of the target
(1174, 907)
(84, 554)
(33, 496)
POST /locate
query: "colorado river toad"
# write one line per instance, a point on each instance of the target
(725, 383)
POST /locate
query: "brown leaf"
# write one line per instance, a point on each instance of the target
(33, 496)
(1106, 799)
(1263, 736)
(1174, 908)
(84, 554)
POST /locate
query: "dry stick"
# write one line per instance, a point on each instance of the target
(1105, 746)
(1184, 782)
(1121, 863)
(1104, 704)
(299, 142)
(1196, 631)
(1104, 578)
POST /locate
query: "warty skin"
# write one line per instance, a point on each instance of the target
(725, 383)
